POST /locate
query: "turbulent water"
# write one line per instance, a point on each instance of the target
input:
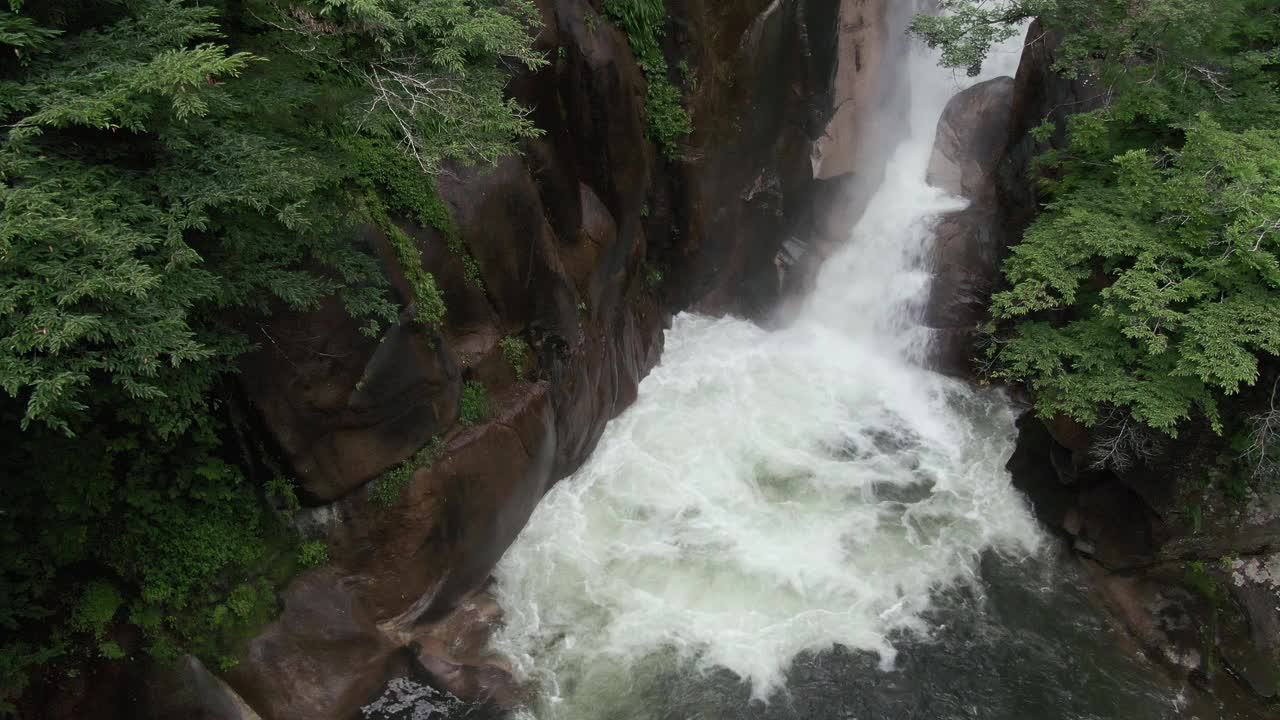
(793, 523)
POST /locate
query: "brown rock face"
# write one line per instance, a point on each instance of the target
(440, 538)
(322, 658)
(849, 159)
(973, 133)
(971, 140)
(188, 690)
(864, 33)
(1039, 94)
(341, 405)
(454, 655)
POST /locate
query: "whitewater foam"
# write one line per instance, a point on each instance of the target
(775, 492)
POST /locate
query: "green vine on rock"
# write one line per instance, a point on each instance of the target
(403, 187)
(476, 405)
(667, 118)
(428, 301)
(514, 350)
(388, 489)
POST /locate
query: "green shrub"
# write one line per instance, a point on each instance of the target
(281, 494)
(514, 351)
(387, 490)
(476, 405)
(313, 554)
(98, 606)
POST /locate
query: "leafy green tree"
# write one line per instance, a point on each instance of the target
(173, 170)
(1149, 282)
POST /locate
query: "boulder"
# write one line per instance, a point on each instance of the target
(322, 658)
(454, 654)
(438, 540)
(343, 407)
(970, 243)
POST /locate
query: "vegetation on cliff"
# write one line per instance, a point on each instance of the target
(643, 21)
(1149, 285)
(173, 169)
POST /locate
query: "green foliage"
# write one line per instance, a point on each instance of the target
(1198, 577)
(653, 277)
(966, 30)
(434, 71)
(173, 171)
(667, 119)
(514, 351)
(428, 301)
(476, 405)
(386, 491)
(1195, 514)
(177, 543)
(281, 494)
(1149, 282)
(400, 186)
(99, 603)
(313, 554)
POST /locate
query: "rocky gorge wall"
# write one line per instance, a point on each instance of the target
(1186, 555)
(583, 246)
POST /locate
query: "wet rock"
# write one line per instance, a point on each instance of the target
(322, 658)
(752, 181)
(1039, 95)
(864, 33)
(439, 538)
(1158, 613)
(1068, 433)
(344, 407)
(849, 158)
(453, 653)
(405, 699)
(1072, 523)
(1250, 641)
(189, 691)
(970, 144)
(971, 139)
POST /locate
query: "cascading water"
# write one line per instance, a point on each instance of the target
(772, 495)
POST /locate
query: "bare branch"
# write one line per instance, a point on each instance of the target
(1120, 442)
(1264, 439)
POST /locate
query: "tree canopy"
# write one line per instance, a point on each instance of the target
(170, 169)
(1149, 283)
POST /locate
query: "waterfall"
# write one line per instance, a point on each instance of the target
(775, 493)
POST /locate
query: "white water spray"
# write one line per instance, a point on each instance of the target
(771, 493)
